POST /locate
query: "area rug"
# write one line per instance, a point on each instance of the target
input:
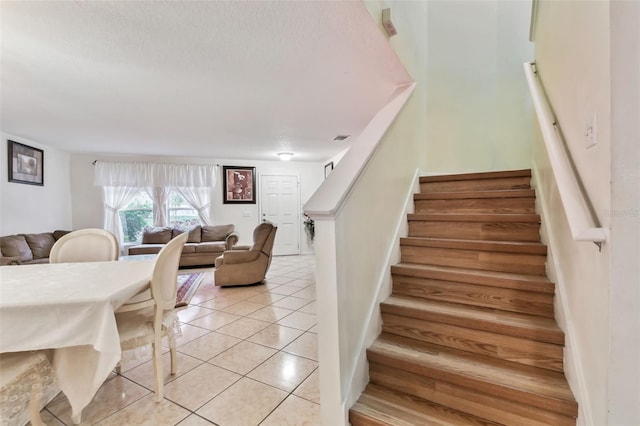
(187, 285)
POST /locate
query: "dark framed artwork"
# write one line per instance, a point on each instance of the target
(328, 168)
(239, 185)
(26, 164)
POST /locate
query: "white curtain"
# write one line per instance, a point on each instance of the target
(159, 196)
(199, 199)
(153, 175)
(116, 198)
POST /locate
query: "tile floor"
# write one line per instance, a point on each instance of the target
(246, 356)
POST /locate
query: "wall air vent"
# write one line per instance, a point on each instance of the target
(341, 137)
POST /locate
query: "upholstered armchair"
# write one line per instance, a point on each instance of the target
(247, 265)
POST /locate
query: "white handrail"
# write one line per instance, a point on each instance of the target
(581, 222)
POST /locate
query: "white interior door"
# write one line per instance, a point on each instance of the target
(280, 204)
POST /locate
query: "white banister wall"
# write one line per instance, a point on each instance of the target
(357, 210)
(583, 225)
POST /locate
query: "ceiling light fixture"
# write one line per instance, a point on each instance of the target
(285, 156)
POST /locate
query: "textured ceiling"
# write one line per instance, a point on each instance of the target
(199, 78)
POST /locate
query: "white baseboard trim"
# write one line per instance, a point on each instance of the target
(574, 369)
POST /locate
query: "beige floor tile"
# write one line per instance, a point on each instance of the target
(112, 396)
(188, 333)
(219, 302)
(291, 302)
(313, 329)
(243, 357)
(215, 320)
(206, 347)
(310, 308)
(243, 328)
(194, 420)
(275, 336)
(299, 320)
(266, 298)
(287, 290)
(198, 386)
(144, 374)
(305, 345)
(306, 293)
(147, 412)
(189, 313)
(245, 403)
(242, 308)
(310, 388)
(283, 370)
(294, 411)
(272, 279)
(138, 356)
(270, 313)
(206, 291)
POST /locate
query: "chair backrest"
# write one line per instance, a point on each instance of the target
(263, 237)
(85, 245)
(165, 273)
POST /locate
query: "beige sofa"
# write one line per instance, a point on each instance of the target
(204, 245)
(28, 248)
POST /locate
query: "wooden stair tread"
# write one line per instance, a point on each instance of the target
(486, 319)
(528, 247)
(542, 388)
(388, 407)
(453, 217)
(476, 176)
(453, 195)
(475, 276)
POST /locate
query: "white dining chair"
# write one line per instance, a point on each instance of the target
(85, 245)
(24, 378)
(148, 321)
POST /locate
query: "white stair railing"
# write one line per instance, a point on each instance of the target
(581, 221)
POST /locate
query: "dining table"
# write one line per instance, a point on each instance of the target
(68, 308)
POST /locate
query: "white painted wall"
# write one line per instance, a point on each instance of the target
(479, 112)
(87, 198)
(591, 67)
(27, 209)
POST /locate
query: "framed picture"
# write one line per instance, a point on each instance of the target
(327, 169)
(26, 164)
(239, 185)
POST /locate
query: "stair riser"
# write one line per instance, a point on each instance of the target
(464, 399)
(478, 385)
(476, 206)
(525, 302)
(514, 231)
(541, 286)
(508, 348)
(360, 419)
(476, 185)
(471, 259)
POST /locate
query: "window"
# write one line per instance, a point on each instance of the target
(135, 216)
(180, 212)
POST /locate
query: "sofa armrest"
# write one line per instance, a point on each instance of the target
(231, 240)
(239, 256)
(8, 260)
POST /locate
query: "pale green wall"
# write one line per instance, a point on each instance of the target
(479, 114)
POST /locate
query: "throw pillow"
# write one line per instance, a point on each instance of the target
(40, 244)
(16, 246)
(216, 233)
(156, 235)
(194, 233)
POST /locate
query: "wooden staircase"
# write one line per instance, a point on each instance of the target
(468, 335)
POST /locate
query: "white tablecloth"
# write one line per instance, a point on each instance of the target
(69, 307)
